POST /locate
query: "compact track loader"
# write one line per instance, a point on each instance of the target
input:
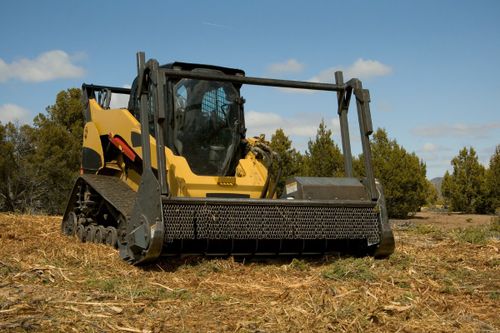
(174, 174)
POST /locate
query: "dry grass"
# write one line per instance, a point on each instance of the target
(439, 280)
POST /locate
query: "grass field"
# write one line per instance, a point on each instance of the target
(443, 277)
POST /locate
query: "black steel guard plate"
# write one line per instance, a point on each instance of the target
(224, 219)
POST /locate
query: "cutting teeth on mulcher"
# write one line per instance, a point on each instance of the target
(252, 227)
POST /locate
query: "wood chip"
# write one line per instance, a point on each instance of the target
(85, 314)
(161, 285)
(127, 329)
(398, 308)
(116, 309)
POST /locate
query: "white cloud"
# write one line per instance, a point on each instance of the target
(13, 113)
(457, 130)
(438, 157)
(367, 69)
(289, 66)
(262, 119)
(437, 167)
(47, 66)
(216, 25)
(429, 147)
(299, 127)
(303, 125)
(361, 69)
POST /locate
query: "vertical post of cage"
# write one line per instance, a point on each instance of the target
(366, 129)
(159, 121)
(146, 147)
(344, 124)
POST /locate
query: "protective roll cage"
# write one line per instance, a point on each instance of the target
(102, 94)
(150, 92)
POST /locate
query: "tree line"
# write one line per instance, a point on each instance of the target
(470, 187)
(402, 174)
(39, 163)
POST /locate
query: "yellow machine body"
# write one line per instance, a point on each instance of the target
(250, 174)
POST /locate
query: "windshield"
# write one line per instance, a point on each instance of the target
(206, 125)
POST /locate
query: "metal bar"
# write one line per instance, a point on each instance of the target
(117, 90)
(159, 118)
(146, 147)
(172, 73)
(271, 202)
(106, 99)
(86, 106)
(365, 138)
(344, 125)
(367, 116)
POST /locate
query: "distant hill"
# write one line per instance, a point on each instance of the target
(437, 184)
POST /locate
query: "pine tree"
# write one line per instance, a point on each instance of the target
(17, 185)
(464, 188)
(431, 194)
(58, 140)
(447, 188)
(7, 166)
(323, 157)
(38, 164)
(402, 175)
(493, 180)
(289, 158)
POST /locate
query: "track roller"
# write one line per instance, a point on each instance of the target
(100, 235)
(111, 236)
(90, 233)
(69, 224)
(80, 233)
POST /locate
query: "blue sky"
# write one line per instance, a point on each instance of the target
(432, 67)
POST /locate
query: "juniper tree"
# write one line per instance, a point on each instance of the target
(493, 180)
(290, 159)
(58, 140)
(463, 189)
(323, 157)
(402, 174)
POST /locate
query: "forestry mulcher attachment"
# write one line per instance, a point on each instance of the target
(174, 174)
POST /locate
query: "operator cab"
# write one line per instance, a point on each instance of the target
(205, 122)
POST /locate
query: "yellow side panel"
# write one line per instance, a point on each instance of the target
(92, 140)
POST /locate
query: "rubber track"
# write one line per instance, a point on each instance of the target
(114, 191)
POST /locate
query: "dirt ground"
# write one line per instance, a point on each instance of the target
(443, 277)
(446, 220)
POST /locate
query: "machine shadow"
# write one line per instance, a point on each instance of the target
(173, 264)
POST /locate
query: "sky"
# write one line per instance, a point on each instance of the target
(432, 67)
